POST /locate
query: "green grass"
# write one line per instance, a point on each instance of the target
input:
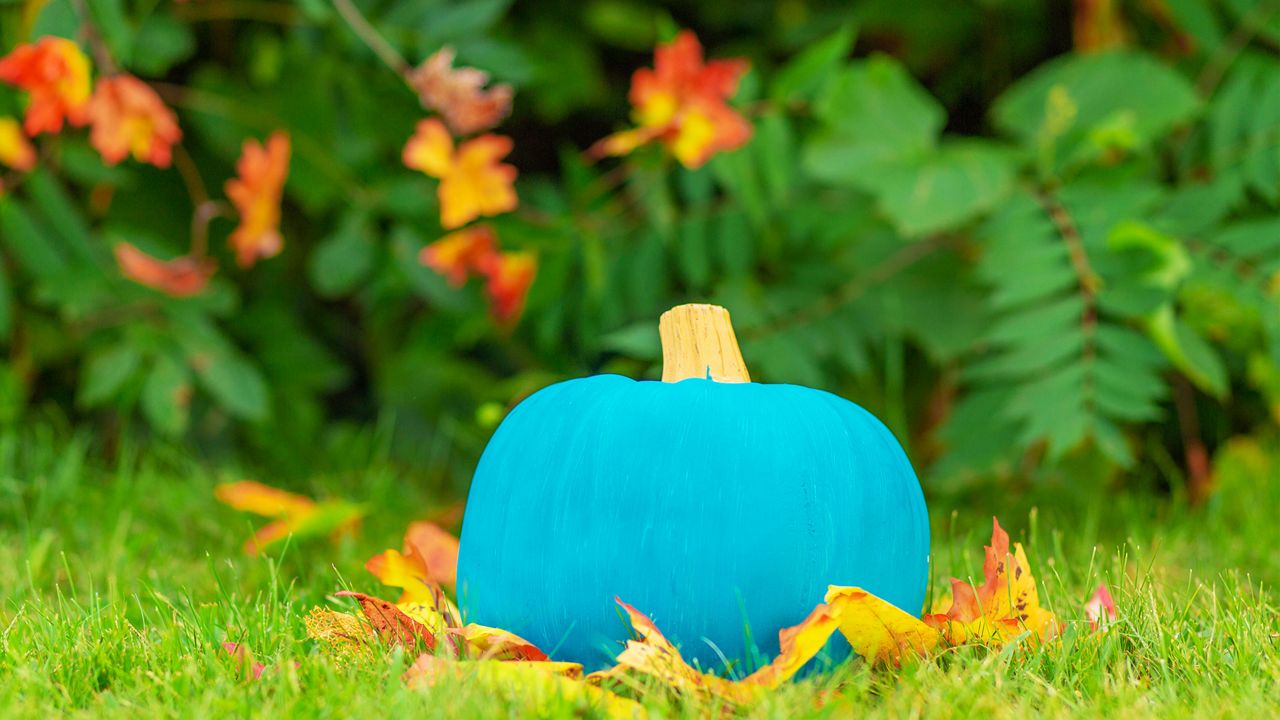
(120, 579)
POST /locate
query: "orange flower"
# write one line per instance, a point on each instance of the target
(472, 181)
(508, 277)
(56, 75)
(15, 150)
(458, 254)
(180, 277)
(681, 102)
(130, 119)
(459, 95)
(256, 192)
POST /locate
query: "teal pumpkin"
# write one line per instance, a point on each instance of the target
(722, 509)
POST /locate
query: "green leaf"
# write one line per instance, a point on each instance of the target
(112, 23)
(105, 372)
(237, 385)
(1258, 15)
(344, 259)
(28, 242)
(638, 340)
(1242, 125)
(875, 115)
(64, 216)
(960, 181)
(803, 76)
(1189, 352)
(159, 43)
(1195, 208)
(233, 382)
(1075, 108)
(6, 306)
(1198, 19)
(693, 250)
(166, 395)
(775, 151)
(13, 393)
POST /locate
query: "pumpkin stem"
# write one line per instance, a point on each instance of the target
(698, 341)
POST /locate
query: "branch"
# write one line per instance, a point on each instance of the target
(1087, 280)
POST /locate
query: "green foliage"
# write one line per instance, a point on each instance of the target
(1014, 255)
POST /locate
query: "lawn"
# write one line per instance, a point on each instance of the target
(120, 579)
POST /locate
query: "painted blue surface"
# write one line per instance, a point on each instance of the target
(711, 507)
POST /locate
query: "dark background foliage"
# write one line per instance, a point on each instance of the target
(1038, 239)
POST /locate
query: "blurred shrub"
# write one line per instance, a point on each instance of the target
(1023, 267)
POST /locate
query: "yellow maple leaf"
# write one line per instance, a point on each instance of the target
(1006, 606)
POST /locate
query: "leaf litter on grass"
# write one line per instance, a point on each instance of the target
(424, 621)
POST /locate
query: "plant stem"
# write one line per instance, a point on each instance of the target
(1199, 476)
(370, 36)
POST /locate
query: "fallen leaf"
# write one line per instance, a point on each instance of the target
(797, 644)
(539, 683)
(653, 655)
(391, 623)
(1004, 607)
(246, 666)
(1100, 611)
(429, 559)
(298, 515)
(345, 636)
(458, 94)
(487, 643)
(878, 631)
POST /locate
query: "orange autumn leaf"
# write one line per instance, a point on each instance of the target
(458, 94)
(460, 253)
(878, 631)
(653, 655)
(180, 277)
(1004, 607)
(487, 643)
(508, 277)
(391, 623)
(295, 515)
(473, 182)
(682, 102)
(256, 192)
(129, 118)
(15, 150)
(429, 559)
(55, 74)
